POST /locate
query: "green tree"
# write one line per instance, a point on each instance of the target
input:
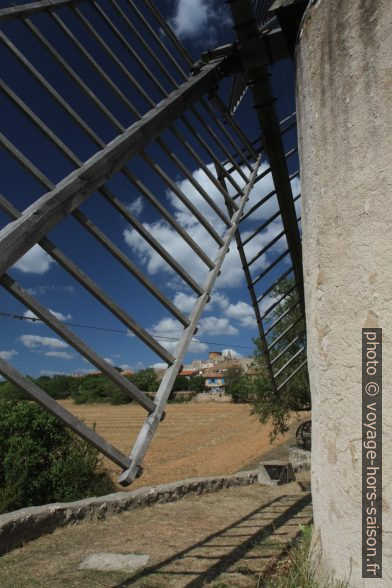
(236, 384)
(10, 392)
(97, 388)
(59, 386)
(181, 384)
(196, 384)
(146, 380)
(42, 461)
(295, 395)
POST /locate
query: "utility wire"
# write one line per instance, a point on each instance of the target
(120, 331)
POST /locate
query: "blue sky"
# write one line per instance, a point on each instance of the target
(228, 319)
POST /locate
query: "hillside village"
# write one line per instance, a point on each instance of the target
(213, 369)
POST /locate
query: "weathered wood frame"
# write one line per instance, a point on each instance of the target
(64, 199)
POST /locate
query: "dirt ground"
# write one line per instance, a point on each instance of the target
(195, 439)
(230, 538)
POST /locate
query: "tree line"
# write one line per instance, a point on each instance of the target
(93, 388)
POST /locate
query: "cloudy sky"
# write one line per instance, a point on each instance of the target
(228, 322)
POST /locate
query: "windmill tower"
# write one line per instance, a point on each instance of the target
(344, 114)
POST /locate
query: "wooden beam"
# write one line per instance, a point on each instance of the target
(49, 404)
(258, 78)
(37, 220)
(80, 346)
(25, 9)
(150, 425)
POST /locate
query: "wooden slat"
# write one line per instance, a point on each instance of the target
(258, 76)
(128, 264)
(61, 413)
(147, 432)
(48, 210)
(252, 293)
(32, 7)
(58, 327)
(291, 376)
(83, 279)
(281, 370)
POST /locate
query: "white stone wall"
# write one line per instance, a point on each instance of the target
(344, 95)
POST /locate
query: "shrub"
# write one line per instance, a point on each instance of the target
(197, 384)
(10, 392)
(289, 334)
(97, 388)
(236, 384)
(58, 386)
(42, 461)
(145, 380)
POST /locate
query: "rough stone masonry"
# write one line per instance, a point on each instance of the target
(344, 97)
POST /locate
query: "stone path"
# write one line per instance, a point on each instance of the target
(227, 538)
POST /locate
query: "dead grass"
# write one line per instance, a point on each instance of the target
(193, 440)
(228, 538)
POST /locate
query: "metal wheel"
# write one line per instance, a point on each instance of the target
(304, 435)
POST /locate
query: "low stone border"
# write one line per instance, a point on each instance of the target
(299, 458)
(20, 526)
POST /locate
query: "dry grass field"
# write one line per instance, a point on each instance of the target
(232, 538)
(195, 439)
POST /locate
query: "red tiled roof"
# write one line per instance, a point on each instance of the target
(213, 375)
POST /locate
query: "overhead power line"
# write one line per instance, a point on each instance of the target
(117, 331)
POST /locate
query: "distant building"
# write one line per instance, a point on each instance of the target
(189, 373)
(214, 381)
(214, 368)
(218, 361)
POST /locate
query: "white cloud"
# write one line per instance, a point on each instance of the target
(59, 315)
(218, 300)
(171, 241)
(172, 329)
(125, 366)
(197, 346)
(36, 341)
(81, 371)
(139, 366)
(231, 353)
(53, 373)
(213, 325)
(59, 354)
(184, 302)
(109, 360)
(243, 312)
(159, 366)
(6, 355)
(232, 272)
(296, 186)
(200, 19)
(35, 261)
(191, 17)
(30, 315)
(67, 289)
(136, 206)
